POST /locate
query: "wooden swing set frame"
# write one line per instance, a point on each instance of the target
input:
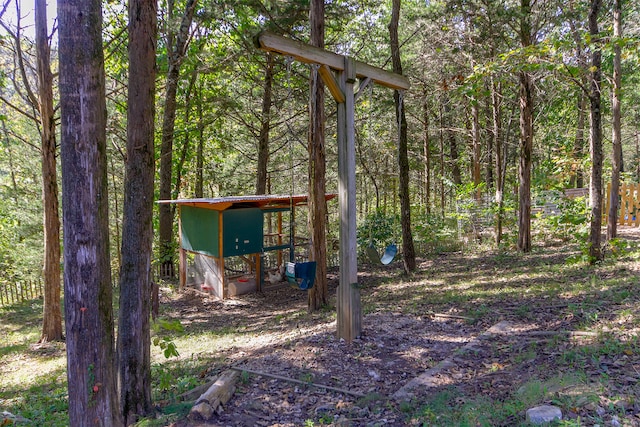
(339, 73)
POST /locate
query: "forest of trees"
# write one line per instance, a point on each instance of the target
(509, 101)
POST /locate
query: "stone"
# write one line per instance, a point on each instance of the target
(543, 414)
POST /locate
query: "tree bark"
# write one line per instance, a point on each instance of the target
(499, 161)
(526, 136)
(475, 143)
(52, 314)
(318, 295)
(616, 163)
(91, 372)
(595, 137)
(456, 174)
(134, 342)
(265, 126)
(577, 178)
(176, 48)
(199, 190)
(427, 155)
(408, 251)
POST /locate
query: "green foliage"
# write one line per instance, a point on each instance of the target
(569, 223)
(379, 229)
(166, 343)
(436, 234)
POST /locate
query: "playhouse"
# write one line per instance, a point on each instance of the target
(225, 241)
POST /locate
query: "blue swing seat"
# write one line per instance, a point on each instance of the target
(389, 254)
(301, 274)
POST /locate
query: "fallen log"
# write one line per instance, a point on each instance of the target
(217, 395)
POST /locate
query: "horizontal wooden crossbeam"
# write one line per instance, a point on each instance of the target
(314, 55)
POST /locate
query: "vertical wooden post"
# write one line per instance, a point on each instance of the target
(220, 260)
(349, 310)
(279, 241)
(258, 262)
(182, 268)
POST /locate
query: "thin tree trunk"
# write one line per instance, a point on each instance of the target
(441, 139)
(176, 47)
(475, 142)
(199, 190)
(595, 137)
(317, 167)
(524, 170)
(616, 164)
(526, 136)
(499, 160)
(91, 367)
(408, 250)
(265, 126)
(52, 314)
(186, 146)
(427, 155)
(577, 177)
(134, 342)
(456, 174)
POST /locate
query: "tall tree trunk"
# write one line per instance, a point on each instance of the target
(442, 155)
(199, 191)
(499, 160)
(526, 136)
(577, 177)
(186, 145)
(616, 163)
(317, 167)
(475, 143)
(134, 342)
(427, 155)
(456, 174)
(489, 165)
(408, 250)
(265, 126)
(176, 49)
(595, 137)
(91, 368)
(52, 314)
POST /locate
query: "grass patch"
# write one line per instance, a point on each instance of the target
(592, 378)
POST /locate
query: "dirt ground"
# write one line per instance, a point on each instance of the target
(434, 340)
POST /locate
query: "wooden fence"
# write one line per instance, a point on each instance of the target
(15, 292)
(629, 211)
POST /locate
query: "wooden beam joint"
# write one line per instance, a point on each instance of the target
(331, 83)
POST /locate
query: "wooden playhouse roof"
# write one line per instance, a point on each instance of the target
(271, 201)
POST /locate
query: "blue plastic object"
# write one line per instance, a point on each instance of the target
(301, 274)
(389, 254)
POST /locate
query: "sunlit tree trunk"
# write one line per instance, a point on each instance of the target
(616, 163)
(52, 314)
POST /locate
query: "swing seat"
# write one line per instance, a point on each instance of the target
(301, 274)
(389, 254)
